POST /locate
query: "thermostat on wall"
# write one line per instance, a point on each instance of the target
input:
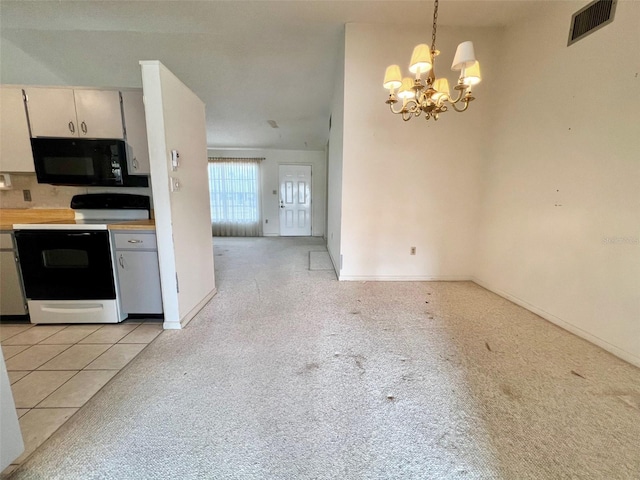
(175, 160)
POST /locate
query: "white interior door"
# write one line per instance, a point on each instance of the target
(295, 200)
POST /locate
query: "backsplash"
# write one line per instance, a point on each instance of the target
(51, 196)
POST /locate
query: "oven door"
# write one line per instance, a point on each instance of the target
(66, 264)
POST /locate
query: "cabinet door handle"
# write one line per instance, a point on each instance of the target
(135, 163)
(134, 241)
(83, 127)
(121, 261)
(72, 127)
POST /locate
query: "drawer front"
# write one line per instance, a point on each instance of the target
(6, 243)
(135, 241)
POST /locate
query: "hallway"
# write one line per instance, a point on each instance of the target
(290, 374)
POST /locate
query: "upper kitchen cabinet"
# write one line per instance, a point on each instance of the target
(136, 133)
(15, 148)
(66, 112)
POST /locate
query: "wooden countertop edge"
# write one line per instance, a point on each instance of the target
(134, 225)
(11, 216)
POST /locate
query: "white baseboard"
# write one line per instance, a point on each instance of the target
(187, 318)
(404, 278)
(336, 268)
(618, 352)
(172, 325)
(278, 235)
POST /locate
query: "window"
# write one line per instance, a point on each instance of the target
(234, 192)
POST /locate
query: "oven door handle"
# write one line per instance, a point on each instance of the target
(78, 234)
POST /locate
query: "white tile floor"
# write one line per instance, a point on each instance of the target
(55, 369)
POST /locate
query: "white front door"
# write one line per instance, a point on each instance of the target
(295, 200)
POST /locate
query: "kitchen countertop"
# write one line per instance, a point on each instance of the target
(11, 216)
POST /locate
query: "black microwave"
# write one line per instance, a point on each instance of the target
(80, 161)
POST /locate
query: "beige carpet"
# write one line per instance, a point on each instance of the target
(289, 374)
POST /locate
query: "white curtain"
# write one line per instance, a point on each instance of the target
(234, 191)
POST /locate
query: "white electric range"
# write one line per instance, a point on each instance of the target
(68, 267)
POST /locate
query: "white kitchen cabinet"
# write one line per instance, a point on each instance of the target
(136, 133)
(66, 112)
(136, 259)
(15, 144)
(12, 301)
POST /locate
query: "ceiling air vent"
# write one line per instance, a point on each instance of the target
(590, 18)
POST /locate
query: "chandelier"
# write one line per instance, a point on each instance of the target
(432, 95)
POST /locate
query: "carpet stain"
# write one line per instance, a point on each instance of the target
(633, 400)
(309, 367)
(360, 366)
(355, 312)
(359, 361)
(412, 377)
(630, 398)
(510, 392)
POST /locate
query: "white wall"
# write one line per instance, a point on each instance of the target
(334, 166)
(410, 183)
(176, 120)
(270, 182)
(19, 68)
(561, 214)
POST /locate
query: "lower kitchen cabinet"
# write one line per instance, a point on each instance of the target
(12, 301)
(138, 276)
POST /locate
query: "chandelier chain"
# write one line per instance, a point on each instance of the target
(433, 34)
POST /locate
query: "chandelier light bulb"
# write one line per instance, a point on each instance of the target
(441, 86)
(421, 61)
(471, 75)
(406, 91)
(392, 78)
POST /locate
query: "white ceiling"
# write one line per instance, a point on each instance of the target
(249, 61)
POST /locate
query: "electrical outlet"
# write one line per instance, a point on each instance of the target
(275, 192)
(26, 194)
(413, 250)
